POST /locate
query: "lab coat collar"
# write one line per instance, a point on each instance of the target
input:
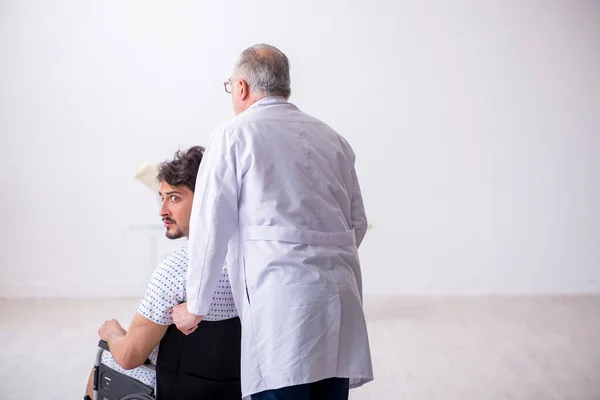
(269, 100)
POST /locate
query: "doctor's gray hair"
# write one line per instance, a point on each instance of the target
(266, 70)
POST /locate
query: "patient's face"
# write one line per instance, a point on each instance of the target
(175, 210)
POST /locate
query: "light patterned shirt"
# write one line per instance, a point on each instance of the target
(165, 290)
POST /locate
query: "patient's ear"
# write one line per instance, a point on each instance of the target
(146, 173)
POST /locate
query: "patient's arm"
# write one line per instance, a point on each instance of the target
(131, 348)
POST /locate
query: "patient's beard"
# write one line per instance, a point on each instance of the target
(176, 234)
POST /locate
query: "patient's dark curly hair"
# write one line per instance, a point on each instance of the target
(183, 169)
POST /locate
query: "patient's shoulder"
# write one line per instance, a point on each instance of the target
(181, 252)
(177, 258)
(173, 268)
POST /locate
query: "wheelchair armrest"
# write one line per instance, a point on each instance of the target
(102, 344)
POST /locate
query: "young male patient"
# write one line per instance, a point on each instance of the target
(205, 364)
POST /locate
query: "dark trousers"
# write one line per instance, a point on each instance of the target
(203, 365)
(327, 389)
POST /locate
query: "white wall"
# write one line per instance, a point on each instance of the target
(476, 124)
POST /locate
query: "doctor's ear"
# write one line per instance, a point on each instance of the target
(244, 89)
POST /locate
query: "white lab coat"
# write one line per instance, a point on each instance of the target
(277, 195)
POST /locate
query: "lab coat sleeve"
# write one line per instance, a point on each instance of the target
(358, 217)
(357, 210)
(213, 220)
(359, 224)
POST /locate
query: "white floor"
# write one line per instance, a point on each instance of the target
(446, 349)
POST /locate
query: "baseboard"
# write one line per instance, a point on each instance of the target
(115, 290)
(69, 291)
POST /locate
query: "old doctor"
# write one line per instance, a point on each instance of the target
(280, 199)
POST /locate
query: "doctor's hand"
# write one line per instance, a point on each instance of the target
(185, 321)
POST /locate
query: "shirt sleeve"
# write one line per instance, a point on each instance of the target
(166, 289)
(213, 220)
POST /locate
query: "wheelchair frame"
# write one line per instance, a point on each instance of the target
(113, 385)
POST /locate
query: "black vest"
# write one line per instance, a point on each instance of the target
(202, 366)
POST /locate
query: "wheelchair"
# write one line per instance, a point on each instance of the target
(113, 385)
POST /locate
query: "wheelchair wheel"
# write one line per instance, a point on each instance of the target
(140, 396)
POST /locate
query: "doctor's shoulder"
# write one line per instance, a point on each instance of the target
(346, 146)
(332, 133)
(226, 131)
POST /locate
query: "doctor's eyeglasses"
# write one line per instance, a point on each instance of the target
(227, 85)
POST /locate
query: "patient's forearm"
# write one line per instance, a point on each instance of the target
(125, 353)
(131, 348)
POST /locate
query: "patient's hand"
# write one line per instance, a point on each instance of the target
(185, 321)
(110, 330)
